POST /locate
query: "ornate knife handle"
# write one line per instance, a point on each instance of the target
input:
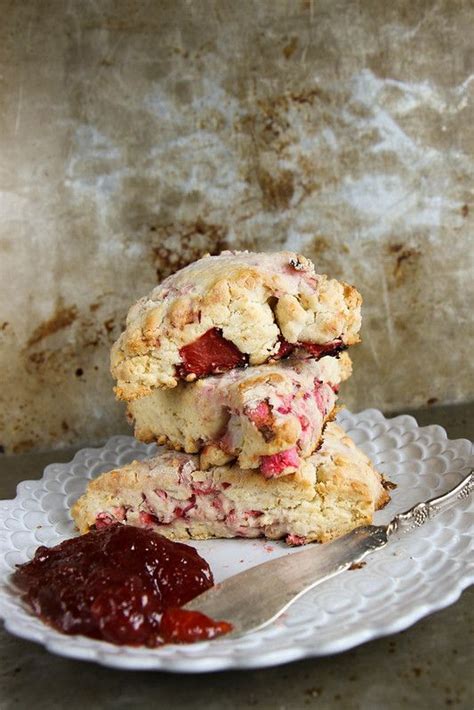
(420, 513)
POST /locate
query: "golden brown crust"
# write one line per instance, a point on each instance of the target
(214, 415)
(236, 294)
(336, 490)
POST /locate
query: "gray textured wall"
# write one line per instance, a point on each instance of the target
(135, 136)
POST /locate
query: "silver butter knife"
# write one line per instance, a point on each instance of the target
(253, 599)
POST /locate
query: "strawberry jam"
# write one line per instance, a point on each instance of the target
(120, 584)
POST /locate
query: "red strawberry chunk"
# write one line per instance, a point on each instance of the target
(181, 512)
(284, 350)
(275, 464)
(321, 399)
(218, 505)
(261, 415)
(148, 519)
(119, 513)
(103, 520)
(211, 353)
(204, 488)
(285, 406)
(293, 539)
(317, 350)
(304, 421)
(232, 518)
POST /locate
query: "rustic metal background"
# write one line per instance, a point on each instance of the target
(135, 136)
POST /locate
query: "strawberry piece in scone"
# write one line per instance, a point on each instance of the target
(267, 418)
(308, 349)
(333, 491)
(228, 311)
(211, 353)
(278, 464)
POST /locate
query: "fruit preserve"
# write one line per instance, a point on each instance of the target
(120, 584)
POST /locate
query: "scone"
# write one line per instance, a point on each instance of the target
(335, 490)
(229, 311)
(267, 417)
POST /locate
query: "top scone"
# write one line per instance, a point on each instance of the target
(228, 311)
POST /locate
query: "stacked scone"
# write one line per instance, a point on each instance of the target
(234, 364)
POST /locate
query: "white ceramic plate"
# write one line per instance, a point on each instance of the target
(425, 571)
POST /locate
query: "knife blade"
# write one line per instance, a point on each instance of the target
(256, 597)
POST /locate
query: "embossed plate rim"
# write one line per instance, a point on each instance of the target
(282, 642)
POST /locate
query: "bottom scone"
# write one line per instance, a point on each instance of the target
(335, 490)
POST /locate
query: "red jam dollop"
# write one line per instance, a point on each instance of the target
(211, 353)
(120, 584)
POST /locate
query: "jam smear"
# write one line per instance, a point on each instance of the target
(182, 626)
(120, 584)
(211, 353)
